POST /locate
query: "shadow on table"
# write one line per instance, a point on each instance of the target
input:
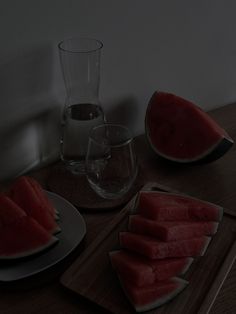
(44, 277)
(32, 95)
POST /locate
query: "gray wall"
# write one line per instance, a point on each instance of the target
(186, 47)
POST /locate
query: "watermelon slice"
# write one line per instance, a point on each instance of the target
(169, 230)
(44, 199)
(154, 295)
(155, 249)
(9, 211)
(23, 238)
(164, 206)
(32, 203)
(142, 271)
(179, 131)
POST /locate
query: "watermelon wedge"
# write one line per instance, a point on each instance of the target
(170, 230)
(164, 206)
(180, 131)
(9, 211)
(155, 249)
(22, 193)
(154, 295)
(142, 271)
(23, 238)
(41, 194)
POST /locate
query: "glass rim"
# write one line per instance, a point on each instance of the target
(104, 125)
(99, 43)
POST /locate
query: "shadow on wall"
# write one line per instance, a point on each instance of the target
(123, 111)
(31, 99)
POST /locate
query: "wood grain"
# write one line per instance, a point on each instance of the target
(100, 285)
(214, 182)
(219, 281)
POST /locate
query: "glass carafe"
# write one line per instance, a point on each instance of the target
(80, 62)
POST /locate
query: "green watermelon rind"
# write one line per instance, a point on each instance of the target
(30, 252)
(208, 240)
(160, 301)
(57, 217)
(216, 151)
(57, 230)
(187, 266)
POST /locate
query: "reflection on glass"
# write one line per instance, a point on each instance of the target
(111, 163)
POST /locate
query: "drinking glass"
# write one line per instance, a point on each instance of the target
(80, 63)
(111, 162)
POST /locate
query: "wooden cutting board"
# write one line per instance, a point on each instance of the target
(92, 276)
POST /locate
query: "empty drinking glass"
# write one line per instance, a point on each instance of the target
(111, 161)
(80, 61)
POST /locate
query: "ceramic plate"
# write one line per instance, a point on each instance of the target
(73, 230)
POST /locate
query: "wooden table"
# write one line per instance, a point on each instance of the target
(215, 182)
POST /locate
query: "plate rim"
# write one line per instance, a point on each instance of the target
(51, 196)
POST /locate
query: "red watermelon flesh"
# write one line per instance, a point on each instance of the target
(155, 249)
(24, 237)
(169, 230)
(164, 206)
(44, 199)
(24, 195)
(9, 211)
(154, 295)
(142, 271)
(180, 131)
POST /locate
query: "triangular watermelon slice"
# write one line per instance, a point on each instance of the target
(154, 295)
(32, 203)
(155, 249)
(163, 206)
(23, 238)
(180, 131)
(171, 230)
(47, 204)
(143, 271)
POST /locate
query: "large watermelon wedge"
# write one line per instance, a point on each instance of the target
(46, 203)
(142, 271)
(24, 237)
(155, 249)
(163, 206)
(154, 295)
(24, 194)
(180, 131)
(171, 230)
